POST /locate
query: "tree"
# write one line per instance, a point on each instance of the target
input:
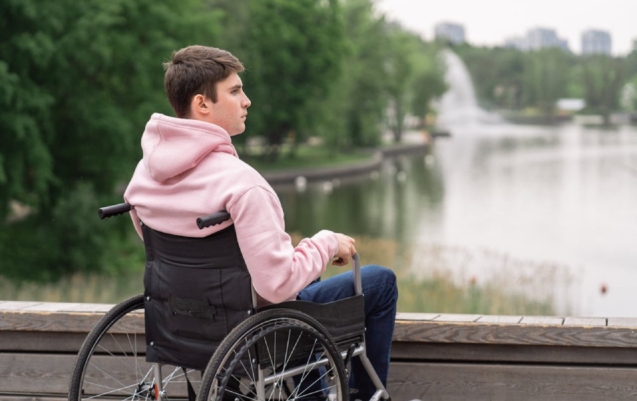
(399, 71)
(292, 52)
(545, 78)
(78, 80)
(428, 82)
(603, 77)
(359, 98)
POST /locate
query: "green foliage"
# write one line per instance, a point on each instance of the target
(399, 71)
(603, 79)
(545, 78)
(78, 80)
(414, 77)
(354, 111)
(292, 51)
(515, 80)
(428, 83)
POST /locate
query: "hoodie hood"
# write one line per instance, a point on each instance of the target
(172, 145)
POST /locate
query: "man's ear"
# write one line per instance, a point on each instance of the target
(199, 105)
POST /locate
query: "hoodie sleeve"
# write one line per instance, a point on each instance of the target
(278, 270)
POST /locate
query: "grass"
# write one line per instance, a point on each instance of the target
(431, 278)
(80, 287)
(440, 279)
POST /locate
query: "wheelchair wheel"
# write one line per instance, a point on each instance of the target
(111, 363)
(279, 354)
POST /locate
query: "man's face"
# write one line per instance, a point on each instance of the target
(231, 109)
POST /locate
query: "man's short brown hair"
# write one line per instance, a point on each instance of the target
(196, 70)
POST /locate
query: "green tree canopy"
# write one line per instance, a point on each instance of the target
(78, 81)
(545, 78)
(76, 86)
(292, 51)
(603, 78)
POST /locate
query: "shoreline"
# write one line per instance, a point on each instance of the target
(287, 177)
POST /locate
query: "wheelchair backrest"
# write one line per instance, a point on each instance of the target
(196, 290)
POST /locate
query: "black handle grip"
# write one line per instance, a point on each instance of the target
(114, 210)
(212, 219)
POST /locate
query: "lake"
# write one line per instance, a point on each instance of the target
(547, 211)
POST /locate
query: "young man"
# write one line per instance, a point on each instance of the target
(190, 168)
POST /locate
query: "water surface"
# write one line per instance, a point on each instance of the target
(561, 200)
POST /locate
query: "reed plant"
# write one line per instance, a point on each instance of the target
(447, 279)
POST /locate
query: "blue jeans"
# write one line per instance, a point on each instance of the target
(381, 295)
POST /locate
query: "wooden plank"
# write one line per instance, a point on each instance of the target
(622, 322)
(479, 382)
(416, 316)
(17, 305)
(84, 307)
(542, 320)
(496, 319)
(48, 307)
(36, 373)
(54, 306)
(43, 342)
(51, 374)
(40, 341)
(57, 322)
(585, 321)
(457, 318)
(20, 374)
(520, 354)
(476, 333)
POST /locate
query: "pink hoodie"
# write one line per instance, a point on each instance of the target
(190, 169)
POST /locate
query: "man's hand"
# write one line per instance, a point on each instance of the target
(345, 250)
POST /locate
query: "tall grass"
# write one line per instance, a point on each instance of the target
(80, 287)
(445, 279)
(431, 278)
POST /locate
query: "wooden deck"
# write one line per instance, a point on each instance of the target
(434, 357)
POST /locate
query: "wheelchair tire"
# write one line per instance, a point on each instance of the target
(111, 363)
(232, 373)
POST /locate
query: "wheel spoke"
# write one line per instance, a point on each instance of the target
(289, 343)
(104, 368)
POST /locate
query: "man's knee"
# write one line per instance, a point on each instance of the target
(375, 276)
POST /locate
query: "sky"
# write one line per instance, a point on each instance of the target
(490, 22)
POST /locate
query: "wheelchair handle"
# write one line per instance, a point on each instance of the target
(358, 281)
(114, 210)
(212, 219)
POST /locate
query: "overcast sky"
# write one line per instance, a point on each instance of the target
(489, 22)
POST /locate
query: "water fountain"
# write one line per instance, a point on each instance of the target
(458, 107)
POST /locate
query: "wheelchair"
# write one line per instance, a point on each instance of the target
(295, 350)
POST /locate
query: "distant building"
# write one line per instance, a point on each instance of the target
(535, 39)
(516, 42)
(451, 32)
(541, 38)
(596, 42)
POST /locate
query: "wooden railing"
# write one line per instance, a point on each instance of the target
(434, 357)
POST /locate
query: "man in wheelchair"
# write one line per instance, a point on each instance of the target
(190, 168)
